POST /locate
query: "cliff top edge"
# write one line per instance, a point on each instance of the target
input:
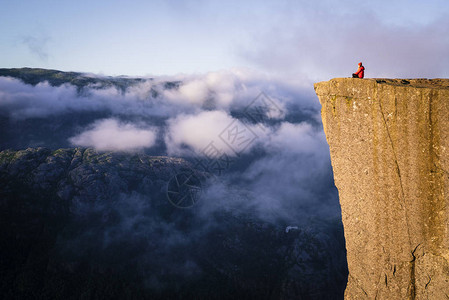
(436, 83)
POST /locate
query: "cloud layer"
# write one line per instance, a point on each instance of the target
(161, 96)
(269, 128)
(260, 141)
(113, 135)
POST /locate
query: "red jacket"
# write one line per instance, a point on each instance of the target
(360, 72)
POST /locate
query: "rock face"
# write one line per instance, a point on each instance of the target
(389, 145)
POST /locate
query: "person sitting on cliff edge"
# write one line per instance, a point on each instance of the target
(360, 72)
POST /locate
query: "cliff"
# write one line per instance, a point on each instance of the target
(389, 146)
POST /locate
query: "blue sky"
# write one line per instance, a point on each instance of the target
(313, 39)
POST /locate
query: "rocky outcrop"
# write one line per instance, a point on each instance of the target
(389, 145)
(85, 174)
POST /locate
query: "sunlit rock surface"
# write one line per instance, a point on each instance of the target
(389, 145)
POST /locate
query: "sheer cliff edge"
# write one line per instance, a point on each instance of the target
(389, 146)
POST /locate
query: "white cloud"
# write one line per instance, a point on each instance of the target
(112, 135)
(217, 127)
(228, 89)
(23, 101)
(219, 87)
(223, 90)
(300, 138)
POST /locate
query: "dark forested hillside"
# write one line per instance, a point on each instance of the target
(139, 188)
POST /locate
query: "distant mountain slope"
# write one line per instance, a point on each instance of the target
(76, 222)
(73, 110)
(34, 76)
(81, 223)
